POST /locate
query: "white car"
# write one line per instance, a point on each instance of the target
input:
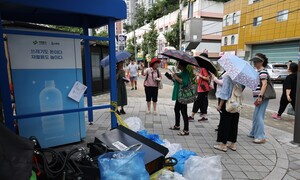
(277, 72)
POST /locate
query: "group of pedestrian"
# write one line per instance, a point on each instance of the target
(226, 88)
(151, 83)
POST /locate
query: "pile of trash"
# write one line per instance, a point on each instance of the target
(189, 165)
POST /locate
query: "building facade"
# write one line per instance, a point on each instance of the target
(210, 12)
(271, 27)
(146, 3)
(131, 9)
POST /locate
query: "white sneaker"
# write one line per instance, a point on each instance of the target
(154, 113)
(260, 141)
(148, 112)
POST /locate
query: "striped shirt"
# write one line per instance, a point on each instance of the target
(263, 75)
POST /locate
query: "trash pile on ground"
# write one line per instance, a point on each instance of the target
(189, 166)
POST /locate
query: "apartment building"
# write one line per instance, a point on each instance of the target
(262, 26)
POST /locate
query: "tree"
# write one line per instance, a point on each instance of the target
(152, 39)
(130, 47)
(140, 16)
(172, 36)
(127, 27)
(68, 29)
(144, 45)
(102, 33)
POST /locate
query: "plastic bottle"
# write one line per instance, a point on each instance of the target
(51, 100)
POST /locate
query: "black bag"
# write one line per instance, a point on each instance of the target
(270, 91)
(15, 155)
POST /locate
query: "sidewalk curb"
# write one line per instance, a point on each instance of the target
(282, 162)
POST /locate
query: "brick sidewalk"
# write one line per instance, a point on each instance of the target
(276, 159)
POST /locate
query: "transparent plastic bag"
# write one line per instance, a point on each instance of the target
(123, 165)
(135, 124)
(167, 175)
(208, 168)
(172, 147)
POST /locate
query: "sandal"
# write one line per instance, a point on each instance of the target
(175, 128)
(183, 133)
(203, 119)
(221, 147)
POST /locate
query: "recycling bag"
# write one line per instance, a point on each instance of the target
(123, 165)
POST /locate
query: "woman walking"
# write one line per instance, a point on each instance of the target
(180, 80)
(203, 90)
(151, 83)
(121, 88)
(289, 91)
(228, 126)
(258, 131)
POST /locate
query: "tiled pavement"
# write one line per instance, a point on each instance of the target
(276, 159)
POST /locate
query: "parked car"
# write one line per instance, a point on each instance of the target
(277, 72)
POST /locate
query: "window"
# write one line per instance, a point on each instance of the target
(252, 1)
(227, 20)
(232, 41)
(225, 41)
(234, 18)
(282, 15)
(257, 21)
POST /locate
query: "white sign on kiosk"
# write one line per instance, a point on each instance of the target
(44, 69)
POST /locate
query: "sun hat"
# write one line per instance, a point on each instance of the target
(257, 59)
(153, 61)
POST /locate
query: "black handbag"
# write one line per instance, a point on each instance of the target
(270, 91)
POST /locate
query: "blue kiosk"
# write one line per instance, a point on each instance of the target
(43, 74)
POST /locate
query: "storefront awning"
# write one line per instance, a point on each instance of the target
(92, 13)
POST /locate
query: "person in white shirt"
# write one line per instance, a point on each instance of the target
(134, 73)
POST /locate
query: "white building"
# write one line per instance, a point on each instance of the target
(147, 3)
(210, 12)
(131, 9)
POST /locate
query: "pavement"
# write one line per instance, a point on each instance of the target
(277, 159)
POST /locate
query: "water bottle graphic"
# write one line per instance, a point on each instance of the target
(51, 100)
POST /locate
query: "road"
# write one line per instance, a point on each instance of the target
(273, 104)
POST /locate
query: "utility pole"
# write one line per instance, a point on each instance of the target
(134, 41)
(296, 139)
(180, 23)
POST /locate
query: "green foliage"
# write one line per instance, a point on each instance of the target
(68, 29)
(130, 47)
(127, 27)
(159, 9)
(152, 39)
(172, 36)
(149, 45)
(102, 34)
(140, 16)
(145, 44)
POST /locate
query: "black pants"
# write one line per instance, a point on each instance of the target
(228, 127)
(183, 109)
(284, 102)
(151, 93)
(201, 102)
